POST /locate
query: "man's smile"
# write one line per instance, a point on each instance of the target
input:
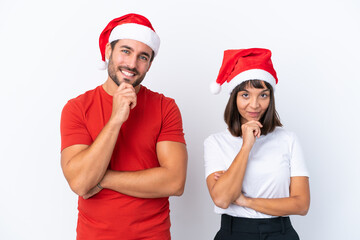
(128, 74)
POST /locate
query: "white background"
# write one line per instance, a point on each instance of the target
(49, 53)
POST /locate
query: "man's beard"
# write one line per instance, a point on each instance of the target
(114, 77)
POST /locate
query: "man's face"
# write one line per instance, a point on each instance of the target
(129, 61)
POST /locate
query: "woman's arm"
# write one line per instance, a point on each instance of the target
(297, 204)
(227, 189)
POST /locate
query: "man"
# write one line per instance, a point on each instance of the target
(123, 147)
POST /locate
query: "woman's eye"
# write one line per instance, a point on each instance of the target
(245, 95)
(264, 95)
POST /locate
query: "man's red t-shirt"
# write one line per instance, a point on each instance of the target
(109, 214)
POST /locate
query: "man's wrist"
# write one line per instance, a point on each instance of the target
(99, 186)
(106, 181)
(114, 124)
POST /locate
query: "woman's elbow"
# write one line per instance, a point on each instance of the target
(304, 210)
(221, 202)
(303, 207)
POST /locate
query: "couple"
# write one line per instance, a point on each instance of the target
(123, 149)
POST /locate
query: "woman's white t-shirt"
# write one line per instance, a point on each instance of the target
(273, 159)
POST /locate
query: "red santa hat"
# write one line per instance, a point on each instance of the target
(245, 64)
(130, 26)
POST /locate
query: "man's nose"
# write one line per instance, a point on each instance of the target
(132, 62)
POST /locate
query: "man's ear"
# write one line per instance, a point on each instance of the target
(108, 51)
(149, 66)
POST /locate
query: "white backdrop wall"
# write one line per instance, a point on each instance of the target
(49, 54)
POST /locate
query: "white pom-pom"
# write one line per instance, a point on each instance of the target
(215, 88)
(102, 65)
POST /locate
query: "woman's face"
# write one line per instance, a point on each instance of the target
(252, 102)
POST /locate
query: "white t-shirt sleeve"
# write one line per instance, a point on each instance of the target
(214, 162)
(297, 161)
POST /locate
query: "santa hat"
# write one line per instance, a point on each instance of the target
(245, 64)
(130, 26)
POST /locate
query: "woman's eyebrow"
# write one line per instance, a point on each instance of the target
(265, 90)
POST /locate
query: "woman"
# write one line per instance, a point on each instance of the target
(255, 171)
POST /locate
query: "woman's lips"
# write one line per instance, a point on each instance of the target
(254, 114)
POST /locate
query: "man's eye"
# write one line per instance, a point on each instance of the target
(143, 58)
(125, 51)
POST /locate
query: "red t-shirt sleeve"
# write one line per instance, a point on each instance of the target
(172, 128)
(72, 126)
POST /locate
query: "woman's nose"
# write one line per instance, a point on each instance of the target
(254, 103)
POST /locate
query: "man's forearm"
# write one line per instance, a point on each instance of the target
(150, 183)
(166, 180)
